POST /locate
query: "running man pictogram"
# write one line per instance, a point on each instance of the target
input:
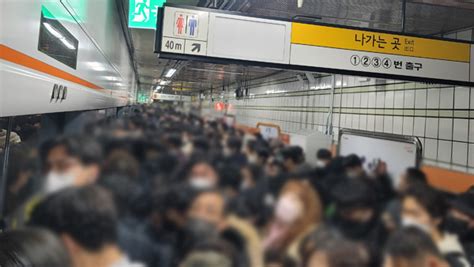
(142, 11)
(180, 24)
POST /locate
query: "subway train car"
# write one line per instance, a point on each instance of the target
(62, 64)
(58, 56)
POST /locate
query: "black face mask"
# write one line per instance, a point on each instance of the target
(354, 229)
(459, 227)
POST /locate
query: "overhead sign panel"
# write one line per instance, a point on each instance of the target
(377, 42)
(195, 32)
(214, 35)
(373, 52)
(247, 38)
(168, 97)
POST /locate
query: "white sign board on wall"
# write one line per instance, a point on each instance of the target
(216, 35)
(398, 152)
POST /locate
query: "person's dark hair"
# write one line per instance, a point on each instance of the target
(121, 163)
(217, 191)
(352, 161)
(353, 193)
(256, 171)
(340, 252)
(174, 140)
(201, 144)
(263, 153)
(212, 252)
(86, 150)
(295, 153)
(279, 259)
(252, 145)
(176, 197)
(124, 190)
(234, 143)
(410, 244)
(414, 176)
(87, 214)
(315, 240)
(324, 154)
(230, 177)
(431, 199)
(32, 247)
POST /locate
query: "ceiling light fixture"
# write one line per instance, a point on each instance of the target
(300, 3)
(170, 73)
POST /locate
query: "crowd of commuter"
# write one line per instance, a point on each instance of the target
(161, 188)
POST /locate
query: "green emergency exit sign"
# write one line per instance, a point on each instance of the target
(142, 13)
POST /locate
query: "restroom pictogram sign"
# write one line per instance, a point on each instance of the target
(186, 25)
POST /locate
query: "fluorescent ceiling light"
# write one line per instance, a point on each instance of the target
(170, 73)
(300, 3)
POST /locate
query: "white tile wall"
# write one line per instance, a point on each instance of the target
(431, 128)
(431, 149)
(438, 114)
(399, 99)
(379, 125)
(461, 100)
(408, 125)
(461, 130)
(460, 153)
(397, 125)
(389, 99)
(444, 151)
(433, 98)
(420, 99)
(419, 127)
(380, 99)
(471, 156)
(447, 95)
(445, 129)
(409, 99)
(388, 124)
(371, 103)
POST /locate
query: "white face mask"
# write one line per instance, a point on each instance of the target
(200, 183)
(353, 174)
(288, 209)
(409, 222)
(187, 149)
(227, 152)
(57, 181)
(320, 164)
(252, 158)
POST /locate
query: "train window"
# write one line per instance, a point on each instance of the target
(56, 41)
(3, 135)
(23, 172)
